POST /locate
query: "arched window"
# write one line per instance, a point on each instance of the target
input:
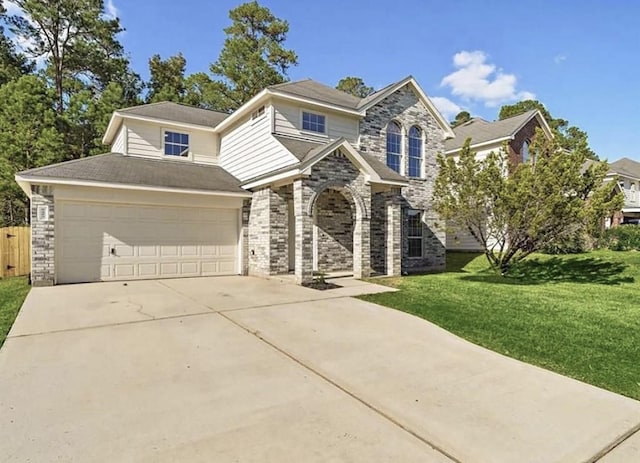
(415, 152)
(525, 151)
(394, 146)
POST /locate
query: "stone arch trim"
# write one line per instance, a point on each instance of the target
(361, 209)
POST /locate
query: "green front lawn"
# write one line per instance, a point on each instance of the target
(578, 315)
(12, 294)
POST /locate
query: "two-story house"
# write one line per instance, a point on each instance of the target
(627, 173)
(301, 178)
(511, 137)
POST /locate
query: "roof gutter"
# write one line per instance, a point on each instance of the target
(26, 182)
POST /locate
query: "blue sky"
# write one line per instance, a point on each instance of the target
(581, 59)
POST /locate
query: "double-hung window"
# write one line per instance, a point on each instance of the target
(314, 122)
(394, 146)
(414, 232)
(176, 144)
(415, 152)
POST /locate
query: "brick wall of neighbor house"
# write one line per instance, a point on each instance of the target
(335, 220)
(515, 146)
(404, 107)
(42, 237)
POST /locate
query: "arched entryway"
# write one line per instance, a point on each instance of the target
(334, 218)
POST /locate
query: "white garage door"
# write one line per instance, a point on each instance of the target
(122, 242)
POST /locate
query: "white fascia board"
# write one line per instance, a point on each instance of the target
(124, 186)
(243, 110)
(112, 128)
(272, 178)
(24, 185)
(312, 102)
(481, 145)
(155, 120)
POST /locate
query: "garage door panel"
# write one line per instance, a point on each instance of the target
(149, 241)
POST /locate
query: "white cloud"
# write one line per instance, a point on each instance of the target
(559, 59)
(477, 80)
(111, 12)
(448, 108)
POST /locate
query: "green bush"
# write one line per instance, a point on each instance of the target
(575, 242)
(622, 238)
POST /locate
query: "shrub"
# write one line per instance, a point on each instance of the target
(622, 238)
(575, 241)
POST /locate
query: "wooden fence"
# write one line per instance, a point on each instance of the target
(15, 251)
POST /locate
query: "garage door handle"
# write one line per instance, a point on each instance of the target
(113, 251)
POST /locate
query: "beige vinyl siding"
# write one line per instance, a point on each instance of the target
(249, 149)
(288, 121)
(118, 143)
(461, 240)
(145, 139)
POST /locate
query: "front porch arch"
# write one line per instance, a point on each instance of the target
(347, 190)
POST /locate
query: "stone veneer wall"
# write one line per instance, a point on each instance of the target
(268, 240)
(405, 108)
(42, 237)
(335, 220)
(333, 172)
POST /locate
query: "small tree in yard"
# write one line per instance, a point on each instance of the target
(513, 211)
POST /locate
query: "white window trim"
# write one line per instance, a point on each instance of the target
(189, 156)
(403, 151)
(324, 134)
(409, 237)
(422, 173)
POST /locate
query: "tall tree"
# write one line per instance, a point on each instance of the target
(570, 138)
(461, 118)
(537, 204)
(355, 86)
(167, 81)
(81, 56)
(13, 65)
(28, 137)
(253, 56)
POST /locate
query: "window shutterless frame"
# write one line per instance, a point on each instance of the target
(176, 144)
(313, 122)
(414, 233)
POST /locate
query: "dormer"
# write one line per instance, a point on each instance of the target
(165, 130)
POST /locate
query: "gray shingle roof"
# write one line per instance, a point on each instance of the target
(626, 166)
(481, 131)
(300, 148)
(306, 151)
(178, 113)
(133, 170)
(309, 88)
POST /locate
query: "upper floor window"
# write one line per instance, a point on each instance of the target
(525, 151)
(176, 144)
(634, 198)
(394, 146)
(257, 113)
(314, 122)
(415, 152)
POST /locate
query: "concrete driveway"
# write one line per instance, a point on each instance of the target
(239, 369)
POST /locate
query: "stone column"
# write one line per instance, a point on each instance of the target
(394, 236)
(42, 236)
(304, 234)
(362, 247)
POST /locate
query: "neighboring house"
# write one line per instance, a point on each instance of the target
(627, 172)
(302, 177)
(516, 133)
